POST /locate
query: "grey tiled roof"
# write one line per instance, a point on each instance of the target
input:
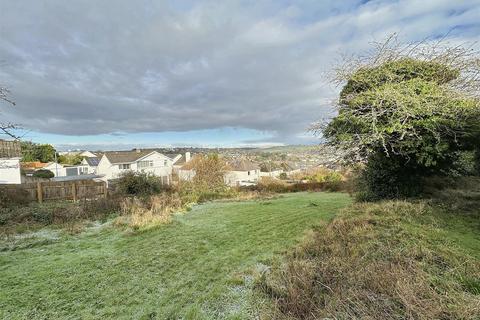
(125, 156)
(242, 165)
(128, 156)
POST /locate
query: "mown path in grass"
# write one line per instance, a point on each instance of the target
(189, 269)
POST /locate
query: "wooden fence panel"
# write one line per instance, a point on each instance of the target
(57, 190)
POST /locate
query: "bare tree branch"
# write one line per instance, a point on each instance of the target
(7, 128)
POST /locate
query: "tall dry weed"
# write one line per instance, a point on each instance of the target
(144, 212)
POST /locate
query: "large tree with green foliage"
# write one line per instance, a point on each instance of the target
(37, 152)
(407, 112)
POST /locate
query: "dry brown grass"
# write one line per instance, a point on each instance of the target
(376, 261)
(146, 212)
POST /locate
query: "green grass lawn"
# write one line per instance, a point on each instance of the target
(194, 268)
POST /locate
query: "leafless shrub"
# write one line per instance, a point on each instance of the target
(7, 128)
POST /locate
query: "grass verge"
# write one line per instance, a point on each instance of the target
(387, 260)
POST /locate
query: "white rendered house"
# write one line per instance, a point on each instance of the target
(114, 163)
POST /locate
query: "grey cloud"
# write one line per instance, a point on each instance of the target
(93, 67)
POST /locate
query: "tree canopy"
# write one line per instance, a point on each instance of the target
(404, 108)
(412, 108)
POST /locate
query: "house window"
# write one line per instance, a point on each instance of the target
(165, 163)
(248, 172)
(145, 164)
(124, 166)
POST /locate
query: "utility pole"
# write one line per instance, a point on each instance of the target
(56, 164)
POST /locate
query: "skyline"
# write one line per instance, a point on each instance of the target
(196, 73)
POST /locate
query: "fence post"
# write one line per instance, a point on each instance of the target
(105, 189)
(39, 192)
(74, 192)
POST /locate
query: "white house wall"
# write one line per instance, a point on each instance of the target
(159, 168)
(239, 178)
(90, 169)
(112, 171)
(10, 171)
(272, 174)
(57, 169)
(107, 169)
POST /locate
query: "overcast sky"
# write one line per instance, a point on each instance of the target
(115, 74)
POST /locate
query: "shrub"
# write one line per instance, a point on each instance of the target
(14, 197)
(477, 162)
(102, 208)
(324, 175)
(388, 178)
(283, 176)
(271, 185)
(64, 214)
(192, 192)
(139, 183)
(268, 184)
(43, 173)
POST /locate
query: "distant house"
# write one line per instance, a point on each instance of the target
(89, 165)
(182, 161)
(292, 167)
(114, 163)
(186, 170)
(57, 169)
(271, 169)
(242, 172)
(239, 172)
(10, 155)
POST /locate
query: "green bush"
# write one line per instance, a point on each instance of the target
(388, 178)
(139, 183)
(42, 173)
(463, 165)
(283, 176)
(477, 162)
